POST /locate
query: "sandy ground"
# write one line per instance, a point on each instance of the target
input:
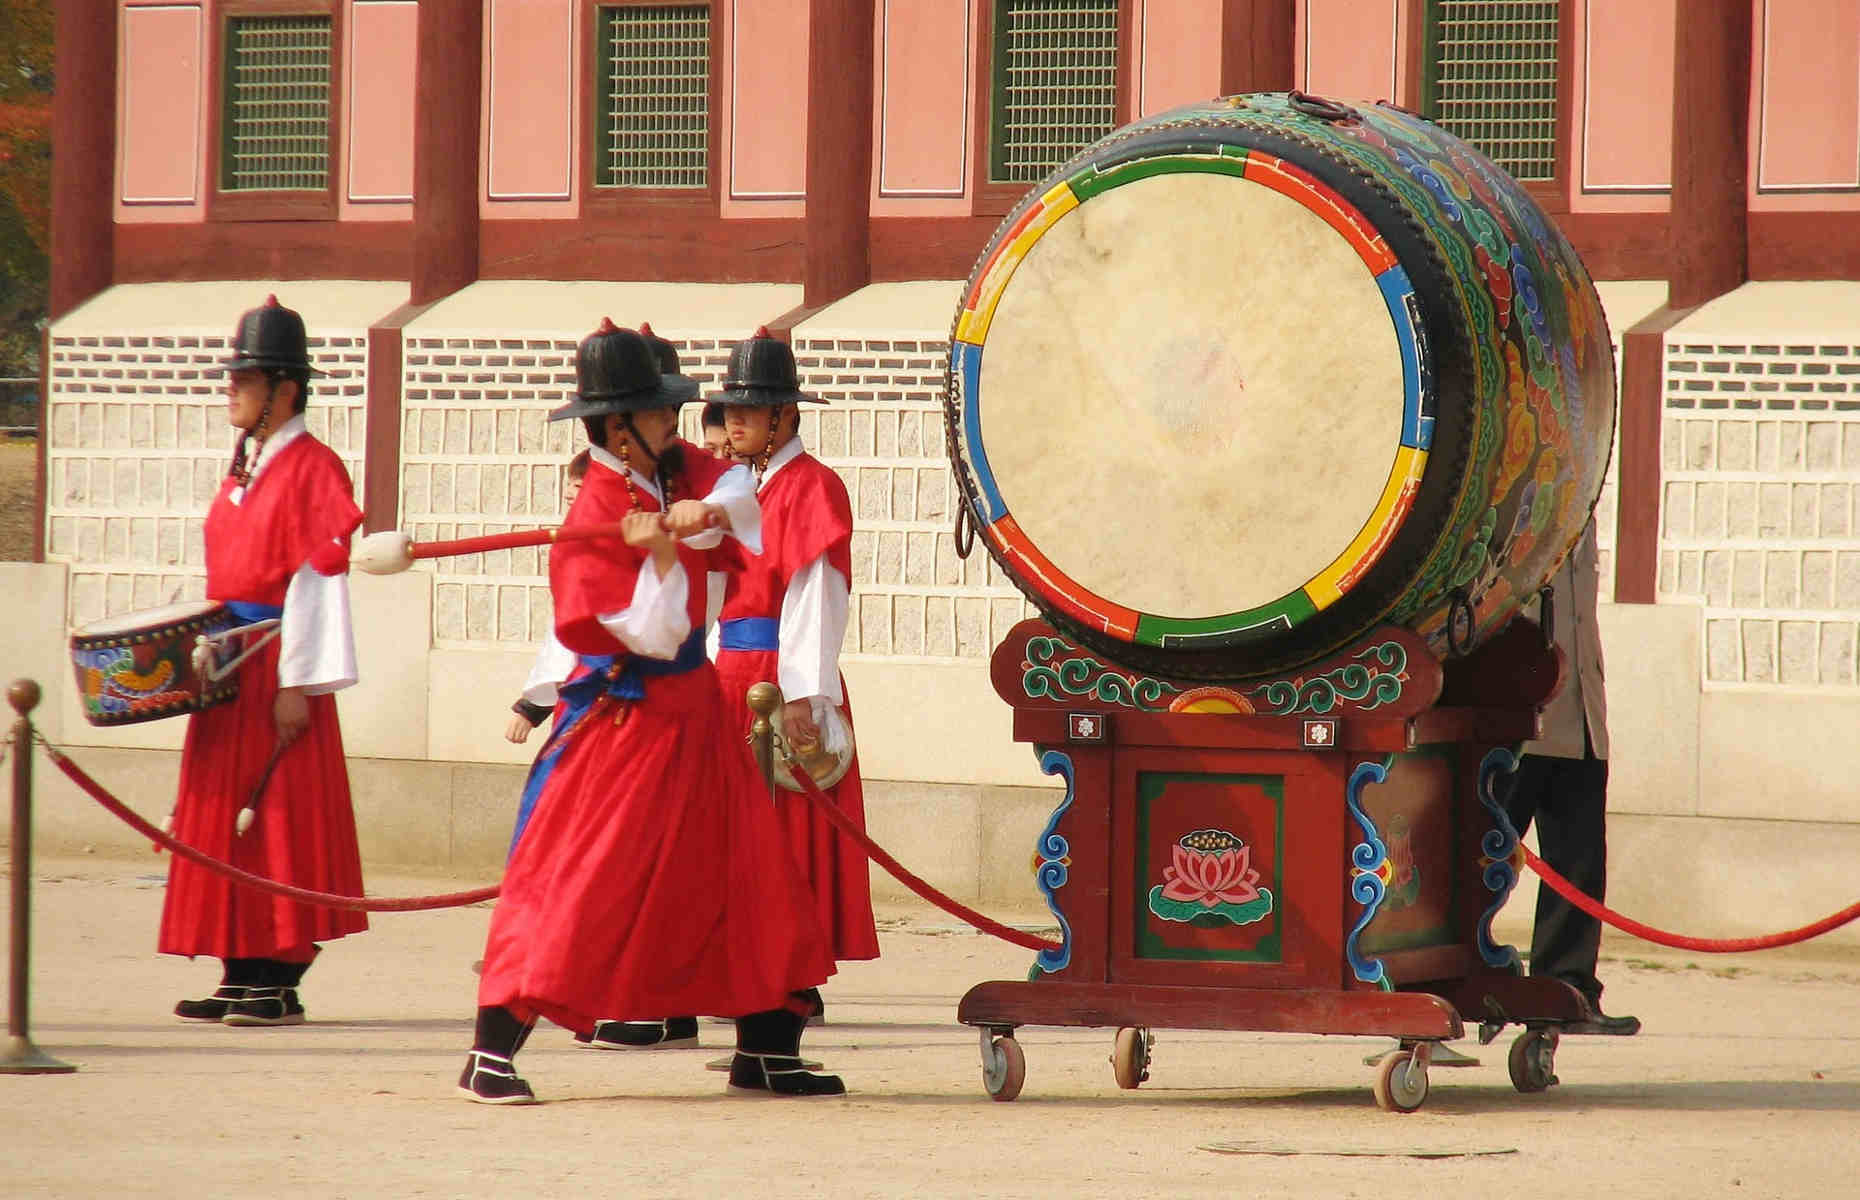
(19, 470)
(1745, 1083)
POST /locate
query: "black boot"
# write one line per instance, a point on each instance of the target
(271, 1000)
(490, 1075)
(668, 1034)
(768, 1058)
(237, 975)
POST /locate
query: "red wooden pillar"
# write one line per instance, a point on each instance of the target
(445, 147)
(1708, 256)
(447, 84)
(83, 183)
(839, 149)
(84, 167)
(1711, 132)
(1256, 46)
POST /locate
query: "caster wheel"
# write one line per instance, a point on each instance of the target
(1533, 1060)
(1130, 1057)
(1004, 1067)
(1401, 1084)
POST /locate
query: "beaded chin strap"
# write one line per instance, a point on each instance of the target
(249, 444)
(663, 476)
(768, 446)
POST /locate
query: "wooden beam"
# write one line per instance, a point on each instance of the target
(448, 83)
(262, 250)
(1711, 132)
(1256, 46)
(839, 149)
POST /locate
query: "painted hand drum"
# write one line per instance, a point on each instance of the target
(141, 665)
(1247, 379)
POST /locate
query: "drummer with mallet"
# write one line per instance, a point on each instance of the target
(653, 877)
(784, 619)
(277, 547)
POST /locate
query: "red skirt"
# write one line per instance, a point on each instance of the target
(304, 834)
(653, 879)
(835, 868)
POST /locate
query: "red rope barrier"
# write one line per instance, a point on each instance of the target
(1677, 941)
(129, 816)
(878, 854)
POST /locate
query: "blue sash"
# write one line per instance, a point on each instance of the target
(749, 633)
(247, 612)
(578, 697)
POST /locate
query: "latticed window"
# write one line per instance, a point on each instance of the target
(1492, 79)
(652, 75)
(1055, 84)
(276, 128)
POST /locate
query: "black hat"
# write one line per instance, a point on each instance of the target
(668, 353)
(616, 371)
(762, 371)
(270, 337)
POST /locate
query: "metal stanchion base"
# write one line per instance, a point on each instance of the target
(21, 1057)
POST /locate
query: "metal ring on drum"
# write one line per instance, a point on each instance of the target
(1247, 379)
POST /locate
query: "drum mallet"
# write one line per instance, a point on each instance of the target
(392, 550)
(249, 813)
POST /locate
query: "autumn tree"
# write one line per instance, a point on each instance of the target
(25, 178)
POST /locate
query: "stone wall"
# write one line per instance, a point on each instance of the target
(1760, 451)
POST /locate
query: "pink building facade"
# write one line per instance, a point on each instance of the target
(463, 187)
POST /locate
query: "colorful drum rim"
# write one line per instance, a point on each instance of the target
(1418, 405)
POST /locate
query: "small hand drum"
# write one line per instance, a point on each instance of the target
(141, 666)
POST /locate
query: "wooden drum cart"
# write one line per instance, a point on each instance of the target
(1318, 853)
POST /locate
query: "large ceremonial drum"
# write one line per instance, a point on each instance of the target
(1247, 379)
(142, 665)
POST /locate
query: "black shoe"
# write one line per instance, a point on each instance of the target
(214, 1007)
(641, 1035)
(265, 1006)
(1604, 1025)
(492, 1079)
(780, 1075)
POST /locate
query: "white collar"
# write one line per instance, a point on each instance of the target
(781, 458)
(613, 463)
(277, 440)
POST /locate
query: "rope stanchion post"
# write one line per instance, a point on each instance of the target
(21, 1057)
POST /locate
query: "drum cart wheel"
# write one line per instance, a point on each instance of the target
(1004, 1067)
(1401, 1082)
(1130, 1057)
(1533, 1060)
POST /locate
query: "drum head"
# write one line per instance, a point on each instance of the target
(162, 616)
(1165, 363)
(1192, 398)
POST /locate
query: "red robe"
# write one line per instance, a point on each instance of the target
(300, 509)
(653, 877)
(805, 514)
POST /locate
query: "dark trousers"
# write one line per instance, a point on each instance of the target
(1568, 800)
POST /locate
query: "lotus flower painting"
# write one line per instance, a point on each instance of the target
(1210, 880)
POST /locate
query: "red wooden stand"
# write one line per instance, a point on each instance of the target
(1318, 853)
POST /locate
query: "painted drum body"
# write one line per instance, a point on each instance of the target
(141, 666)
(1245, 380)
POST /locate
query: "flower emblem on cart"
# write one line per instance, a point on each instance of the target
(1210, 881)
